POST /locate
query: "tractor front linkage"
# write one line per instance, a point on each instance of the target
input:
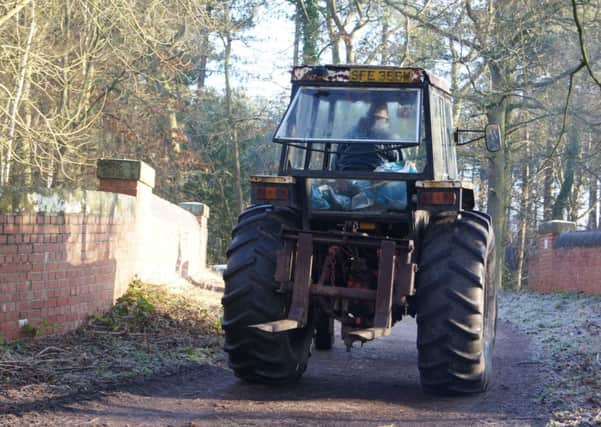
(296, 272)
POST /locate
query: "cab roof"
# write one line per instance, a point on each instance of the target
(365, 74)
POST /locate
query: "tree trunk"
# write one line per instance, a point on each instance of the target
(405, 57)
(523, 224)
(297, 36)
(384, 56)
(24, 73)
(27, 179)
(455, 81)
(560, 208)
(310, 26)
(233, 134)
(49, 175)
(56, 156)
(497, 185)
(334, 40)
(593, 188)
(173, 128)
(575, 194)
(204, 49)
(202, 66)
(593, 203)
(483, 183)
(348, 46)
(548, 184)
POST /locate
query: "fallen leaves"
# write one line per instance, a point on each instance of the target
(150, 330)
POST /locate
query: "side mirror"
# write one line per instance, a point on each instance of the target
(493, 137)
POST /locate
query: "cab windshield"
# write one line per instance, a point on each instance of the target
(351, 115)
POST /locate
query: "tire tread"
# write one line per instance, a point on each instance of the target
(451, 289)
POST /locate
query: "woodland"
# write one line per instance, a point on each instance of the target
(88, 79)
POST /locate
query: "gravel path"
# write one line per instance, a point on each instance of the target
(544, 363)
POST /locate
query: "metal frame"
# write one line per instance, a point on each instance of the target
(395, 278)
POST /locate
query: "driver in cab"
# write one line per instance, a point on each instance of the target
(368, 156)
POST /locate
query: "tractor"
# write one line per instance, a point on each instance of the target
(366, 222)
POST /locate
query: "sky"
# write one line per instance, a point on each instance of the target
(263, 62)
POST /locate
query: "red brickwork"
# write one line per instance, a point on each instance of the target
(56, 270)
(122, 186)
(565, 269)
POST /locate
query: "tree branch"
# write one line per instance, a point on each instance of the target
(585, 59)
(14, 11)
(546, 161)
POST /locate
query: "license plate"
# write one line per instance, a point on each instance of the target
(384, 76)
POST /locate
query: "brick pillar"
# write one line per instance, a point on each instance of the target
(549, 231)
(542, 275)
(132, 177)
(201, 212)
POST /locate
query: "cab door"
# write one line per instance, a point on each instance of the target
(443, 149)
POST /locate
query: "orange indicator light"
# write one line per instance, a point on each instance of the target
(271, 193)
(438, 198)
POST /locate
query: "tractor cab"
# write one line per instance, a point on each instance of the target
(359, 137)
(381, 109)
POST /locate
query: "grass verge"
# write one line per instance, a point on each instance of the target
(566, 329)
(150, 330)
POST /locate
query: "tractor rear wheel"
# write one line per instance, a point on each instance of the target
(251, 296)
(456, 304)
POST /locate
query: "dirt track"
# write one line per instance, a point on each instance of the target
(376, 385)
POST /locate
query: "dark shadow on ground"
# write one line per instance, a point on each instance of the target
(376, 383)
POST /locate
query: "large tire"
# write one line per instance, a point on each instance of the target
(456, 304)
(251, 297)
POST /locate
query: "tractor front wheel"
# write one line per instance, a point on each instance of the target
(456, 304)
(251, 297)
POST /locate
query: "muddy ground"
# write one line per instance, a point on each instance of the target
(377, 385)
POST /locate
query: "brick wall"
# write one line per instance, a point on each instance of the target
(564, 268)
(66, 256)
(58, 269)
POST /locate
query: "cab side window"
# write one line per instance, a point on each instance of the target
(450, 146)
(445, 161)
